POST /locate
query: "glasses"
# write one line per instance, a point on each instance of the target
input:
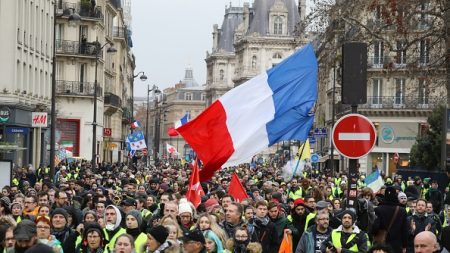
(241, 237)
(43, 227)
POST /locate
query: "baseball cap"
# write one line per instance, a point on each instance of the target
(25, 230)
(194, 235)
(128, 202)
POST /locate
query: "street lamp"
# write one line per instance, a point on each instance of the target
(157, 91)
(94, 122)
(143, 78)
(74, 17)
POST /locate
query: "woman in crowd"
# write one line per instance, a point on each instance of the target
(43, 226)
(213, 243)
(44, 210)
(134, 224)
(124, 244)
(206, 222)
(240, 241)
(93, 239)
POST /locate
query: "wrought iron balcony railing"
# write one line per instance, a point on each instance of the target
(396, 102)
(77, 48)
(112, 99)
(77, 88)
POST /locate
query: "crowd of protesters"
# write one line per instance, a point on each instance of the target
(134, 208)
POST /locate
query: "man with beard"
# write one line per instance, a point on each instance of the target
(62, 231)
(262, 230)
(312, 239)
(282, 224)
(419, 222)
(26, 239)
(298, 219)
(347, 237)
(112, 229)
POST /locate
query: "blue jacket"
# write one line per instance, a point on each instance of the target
(307, 241)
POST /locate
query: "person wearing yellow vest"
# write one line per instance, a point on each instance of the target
(295, 191)
(112, 230)
(93, 239)
(134, 223)
(347, 237)
(310, 219)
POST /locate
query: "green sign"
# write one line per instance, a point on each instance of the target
(5, 113)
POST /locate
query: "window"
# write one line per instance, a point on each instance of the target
(278, 25)
(277, 56)
(377, 91)
(83, 79)
(424, 93)
(221, 75)
(399, 98)
(188, 96)
(254, 62)
(401, 54)
(423, 18)
(424, 48)
(203, 96)
(378, 54)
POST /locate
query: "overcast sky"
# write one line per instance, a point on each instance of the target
(169, 35)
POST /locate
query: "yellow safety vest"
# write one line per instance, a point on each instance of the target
(336, 240)
(140, 242)
(297, 194)
(111, 242)
(308, 218)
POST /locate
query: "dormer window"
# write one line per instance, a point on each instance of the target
(278, 25)
(188, 96)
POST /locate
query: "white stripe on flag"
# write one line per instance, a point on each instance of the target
(354, 136)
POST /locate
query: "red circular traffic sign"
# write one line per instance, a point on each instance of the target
(354, 136)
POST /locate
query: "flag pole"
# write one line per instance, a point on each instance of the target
(298, 162)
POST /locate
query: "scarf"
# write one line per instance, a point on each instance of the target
(135, 232)
(62, 235)
(262, 221)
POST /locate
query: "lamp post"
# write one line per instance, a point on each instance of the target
(94, 122)
(74, 17)
(157, 91)
(143, 78)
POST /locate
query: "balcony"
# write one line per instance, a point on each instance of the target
(112, 103)
(119, 32)
(126, 115)
(393, 105)
(76, 88)
(85, 10)
(394, 62)
(77, 48)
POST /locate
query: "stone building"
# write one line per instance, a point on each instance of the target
(96, 49)
(405, 78)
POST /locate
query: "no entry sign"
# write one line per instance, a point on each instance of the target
(354, 136)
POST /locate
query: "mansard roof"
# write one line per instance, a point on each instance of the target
(259, 17)
(232, 18)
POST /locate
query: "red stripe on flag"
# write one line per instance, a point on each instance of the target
(236, 189)
(209, 137)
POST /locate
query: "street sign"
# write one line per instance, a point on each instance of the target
(312, 140)
(320, 132)
(354, 136)
(314, 158)
(5, 113)
(107, 132)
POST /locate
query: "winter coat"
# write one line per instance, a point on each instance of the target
(264, 233)
(397, 237)
(281, 223)
(308, 240)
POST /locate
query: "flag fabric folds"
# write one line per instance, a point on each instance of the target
(236, 189)
(135, 141)
(271, 107)
(374, 181)
(136, 124)
(195, 190)
(182, 121)
(304, 151)
(171, 149)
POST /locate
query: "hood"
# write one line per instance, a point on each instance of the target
(119, 217)
(356, 229)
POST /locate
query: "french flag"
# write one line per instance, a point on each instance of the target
(182, 121)
(271, 107)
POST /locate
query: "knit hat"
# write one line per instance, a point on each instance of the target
(160, 233)
(401, 195)
(89, 212)
(184, 207)
(351, 213)
(210, 204)
(6, 201)
(390, 195)
(61, 211)
(299, 202)
(93, 226)
(137, 215)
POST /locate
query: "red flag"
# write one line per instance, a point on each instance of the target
(236, 189)
(172, 132)
(195, 190)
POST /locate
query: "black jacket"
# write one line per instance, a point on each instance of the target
(266, 234)
(397, 236)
